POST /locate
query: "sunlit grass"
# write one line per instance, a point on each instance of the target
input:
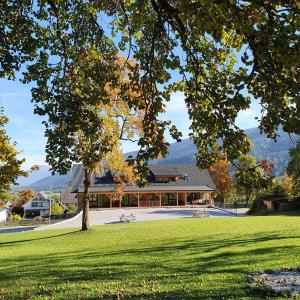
(176, 259)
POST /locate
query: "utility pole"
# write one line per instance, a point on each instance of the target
(50, 211)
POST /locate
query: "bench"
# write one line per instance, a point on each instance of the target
(200, 214)
(127, 219)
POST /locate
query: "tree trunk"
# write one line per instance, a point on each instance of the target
(223, 200)
(248, 199)
(85, 205)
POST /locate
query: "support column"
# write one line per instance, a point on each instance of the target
(185, 199)
(177, 198)
(138, 198)
(110, 200)
(159, 199)
(211, 199)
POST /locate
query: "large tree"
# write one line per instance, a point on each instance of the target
(220, 53)
(220, 173)
(24, 196)
(88, 116)
(293, 167)
(252, 177)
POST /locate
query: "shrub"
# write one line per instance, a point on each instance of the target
(57, 209)
(38, 218)
(295, 203)
(72, 208)
(14, 218)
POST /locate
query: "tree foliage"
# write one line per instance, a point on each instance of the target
(219, 53)
(283, 186)
(252, 177)
(24, 196)
(89, 118)
(220, 173)
(57, 209)
(72, 208)
(10, 164)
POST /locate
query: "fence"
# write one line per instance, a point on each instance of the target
(37, 221)
(230, 206)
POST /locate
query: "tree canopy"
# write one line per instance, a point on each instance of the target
(220, 173)
(220, 54)
(56, 209)
(10, 164)
(24, 196)
(252, 177)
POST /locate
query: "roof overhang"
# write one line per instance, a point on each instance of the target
(158, 188)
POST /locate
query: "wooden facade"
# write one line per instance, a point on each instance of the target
(168, 185)
(147, 199)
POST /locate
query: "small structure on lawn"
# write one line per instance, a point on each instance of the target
(274, 203)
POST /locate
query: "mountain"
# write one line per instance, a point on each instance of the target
(183, 152)
(34, 176)
(276, 152)
(42, 180)
(52, 183)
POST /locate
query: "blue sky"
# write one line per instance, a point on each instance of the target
(26, 129)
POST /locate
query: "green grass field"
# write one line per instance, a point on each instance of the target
(176, 259)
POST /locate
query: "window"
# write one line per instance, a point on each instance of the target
(166, 179)
(162, 179)
(92, 197)
(42, 204)
(172, 197)
(34, 204)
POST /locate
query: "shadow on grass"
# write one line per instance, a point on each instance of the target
(169, 270)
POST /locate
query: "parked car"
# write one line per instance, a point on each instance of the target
(199, 201)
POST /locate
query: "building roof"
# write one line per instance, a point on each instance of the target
(275, 198)
(40, 195)
(67, 197)
(190, 178)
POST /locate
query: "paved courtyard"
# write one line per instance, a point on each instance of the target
(111, 216)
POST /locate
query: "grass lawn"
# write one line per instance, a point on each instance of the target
(175, 259)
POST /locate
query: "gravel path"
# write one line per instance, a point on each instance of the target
(108, 216)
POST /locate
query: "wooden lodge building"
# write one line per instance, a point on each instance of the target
(168, 185)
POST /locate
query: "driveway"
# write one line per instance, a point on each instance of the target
(111, 216)
(17, 229)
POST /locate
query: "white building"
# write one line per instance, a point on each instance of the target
(39, 205)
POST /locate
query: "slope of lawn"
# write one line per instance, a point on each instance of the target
(175, 259)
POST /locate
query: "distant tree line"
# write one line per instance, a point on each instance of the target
(253, 179)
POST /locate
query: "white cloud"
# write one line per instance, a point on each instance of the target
(177, 103)
(246, 118)
(32, 160)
